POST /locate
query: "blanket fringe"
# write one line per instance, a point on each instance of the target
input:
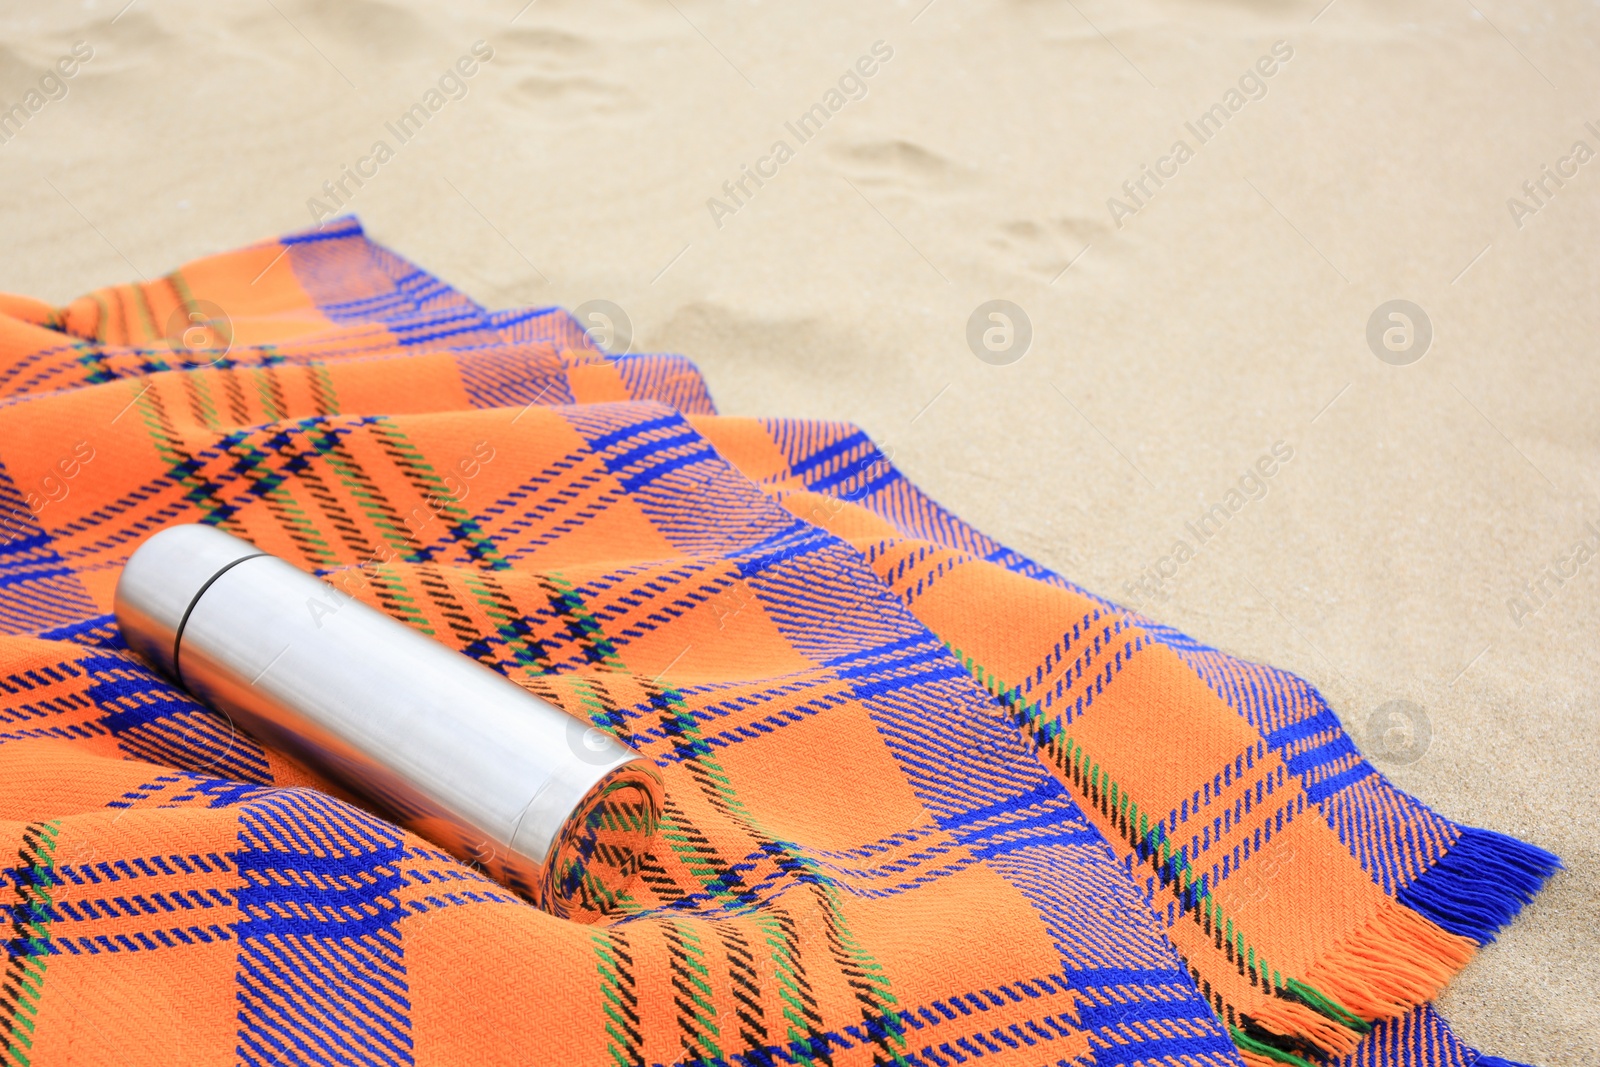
(1396, 960)
(1301, 1023)
(1274, 1058)
(1480, 884)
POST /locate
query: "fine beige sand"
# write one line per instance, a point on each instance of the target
(1175, 338)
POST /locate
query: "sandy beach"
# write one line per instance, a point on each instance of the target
(1309, 291)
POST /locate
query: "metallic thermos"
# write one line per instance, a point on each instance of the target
(552, 807)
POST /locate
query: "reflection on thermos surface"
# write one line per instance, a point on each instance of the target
(557, 810)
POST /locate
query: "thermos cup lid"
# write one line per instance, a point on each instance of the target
(164, 579)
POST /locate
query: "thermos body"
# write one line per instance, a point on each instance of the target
(445, 745)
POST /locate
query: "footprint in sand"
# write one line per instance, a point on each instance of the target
(566, 83)
(901, 165)
(1043, 248)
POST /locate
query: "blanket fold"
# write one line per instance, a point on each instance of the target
(928, 802)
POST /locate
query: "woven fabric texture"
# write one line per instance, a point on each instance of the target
(928, 802)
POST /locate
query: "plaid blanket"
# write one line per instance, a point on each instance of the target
(928, 802)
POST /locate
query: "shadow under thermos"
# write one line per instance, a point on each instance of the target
(551, 807)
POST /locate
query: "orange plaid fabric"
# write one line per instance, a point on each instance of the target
(928, 803)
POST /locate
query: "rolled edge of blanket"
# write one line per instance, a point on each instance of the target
(27, 309)
(1480, 883)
